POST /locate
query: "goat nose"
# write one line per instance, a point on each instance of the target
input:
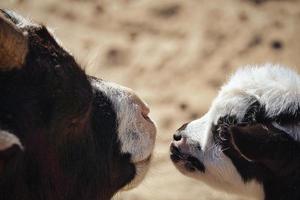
(144, 109)
(142, 105)
(139, 102)
(177, 136)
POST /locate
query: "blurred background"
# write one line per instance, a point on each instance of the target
(175, 54)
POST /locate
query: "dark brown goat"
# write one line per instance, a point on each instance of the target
(64, 135)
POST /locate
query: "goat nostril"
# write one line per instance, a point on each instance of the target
(177, 136)
(145, 111)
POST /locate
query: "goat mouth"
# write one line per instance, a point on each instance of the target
(147, 119)
(144, 161)
(190, 163)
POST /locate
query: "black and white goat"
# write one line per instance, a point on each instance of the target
(249, 141)
(64, 135)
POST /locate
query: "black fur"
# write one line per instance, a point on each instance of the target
(67, 126)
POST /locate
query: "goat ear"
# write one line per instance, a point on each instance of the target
(265, 144)
(10, 145)
(13, 43)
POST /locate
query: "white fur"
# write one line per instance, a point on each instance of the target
(7, 140)
(136, 134)
(275, 87)
(22, 22)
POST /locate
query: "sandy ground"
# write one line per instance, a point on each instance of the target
(175, 54)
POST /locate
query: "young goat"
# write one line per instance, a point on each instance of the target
(249, 140)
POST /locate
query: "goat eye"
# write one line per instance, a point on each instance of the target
(222, 135)
(223, 132)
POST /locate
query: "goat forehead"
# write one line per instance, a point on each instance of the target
(266, 92)
(269, 92)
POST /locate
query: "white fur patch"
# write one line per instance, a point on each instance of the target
(136, 134)
(275, 87)
(21, 21)
(7, 140)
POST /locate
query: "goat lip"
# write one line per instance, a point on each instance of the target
(191, 163)
(147, 118)
(176, 155)
(196, 163)
(175, 158)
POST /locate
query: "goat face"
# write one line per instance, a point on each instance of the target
(248, 141)
(64, 135)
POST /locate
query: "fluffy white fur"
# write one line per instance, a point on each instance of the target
(275, 87)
